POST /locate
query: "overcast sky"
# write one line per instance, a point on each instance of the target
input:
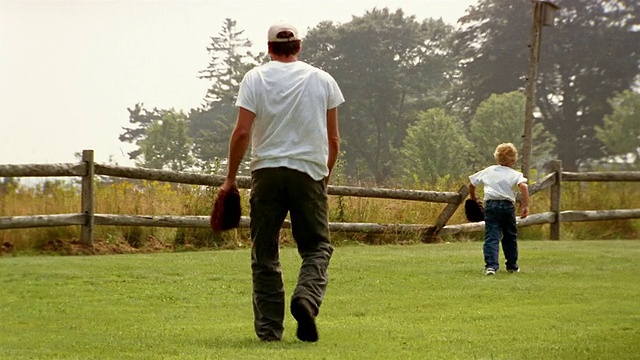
(70, 69)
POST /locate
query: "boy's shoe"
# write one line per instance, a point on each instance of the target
(489, 271)
(304, 315)
(514, 270)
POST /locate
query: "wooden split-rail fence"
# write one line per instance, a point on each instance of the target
(87, 169)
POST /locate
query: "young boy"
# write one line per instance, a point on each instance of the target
(499, 207)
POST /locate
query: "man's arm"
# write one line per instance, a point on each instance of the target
(238, 144)
(333, 136)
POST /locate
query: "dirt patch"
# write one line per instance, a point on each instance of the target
(99, 247)
(122, 247)
(6, 248)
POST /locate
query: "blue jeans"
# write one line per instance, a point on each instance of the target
(500, 218)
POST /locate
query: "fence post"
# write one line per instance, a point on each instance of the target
(446, 215)
(555, 194)
(86, 235)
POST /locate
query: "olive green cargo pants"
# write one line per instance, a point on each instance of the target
(274, 193)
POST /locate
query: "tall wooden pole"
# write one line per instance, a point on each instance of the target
(554, 202)
(86, 233)
(530, 91)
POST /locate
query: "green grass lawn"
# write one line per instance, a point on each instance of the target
(572, 300)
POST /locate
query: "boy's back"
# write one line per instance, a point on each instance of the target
(499, 182)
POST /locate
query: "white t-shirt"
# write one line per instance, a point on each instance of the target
(498, 182)
(290, 101)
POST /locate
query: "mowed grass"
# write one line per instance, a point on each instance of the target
(572, 300)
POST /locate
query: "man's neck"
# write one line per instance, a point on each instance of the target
(284, 59)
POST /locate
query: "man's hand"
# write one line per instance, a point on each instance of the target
(228, 185)
(227, 210)
(524, 211)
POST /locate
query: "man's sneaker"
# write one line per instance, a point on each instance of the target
(514, 270)
(489, 271)
(304, 315)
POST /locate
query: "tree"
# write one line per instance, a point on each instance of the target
(490, 52)
(620, 133)
(9, 185)
(210, 130)
(499, 119)
(589, 54)
(142, 119)
(167, 145)
(389, 67)
(211, 125)
(435, 147)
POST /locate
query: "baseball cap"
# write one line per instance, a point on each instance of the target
(276, 29)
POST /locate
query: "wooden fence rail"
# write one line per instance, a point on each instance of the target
(87, 219)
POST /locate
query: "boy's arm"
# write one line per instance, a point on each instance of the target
(524, 201)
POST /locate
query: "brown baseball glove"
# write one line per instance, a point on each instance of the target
(474, 210)
(226, 210)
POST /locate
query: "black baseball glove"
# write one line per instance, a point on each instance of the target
(474, 210)
(226, 210)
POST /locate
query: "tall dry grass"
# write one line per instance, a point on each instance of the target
(158, 198)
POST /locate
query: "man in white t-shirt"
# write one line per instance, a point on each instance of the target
(288, 112)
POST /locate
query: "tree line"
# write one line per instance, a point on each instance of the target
(427, 100)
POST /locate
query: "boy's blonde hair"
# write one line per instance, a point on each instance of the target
(506, 154)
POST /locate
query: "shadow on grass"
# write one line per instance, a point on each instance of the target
(249, 342)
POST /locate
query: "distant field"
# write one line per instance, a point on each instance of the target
(573, 300)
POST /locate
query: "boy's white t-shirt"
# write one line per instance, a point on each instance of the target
(290, 101)
(498, 181)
